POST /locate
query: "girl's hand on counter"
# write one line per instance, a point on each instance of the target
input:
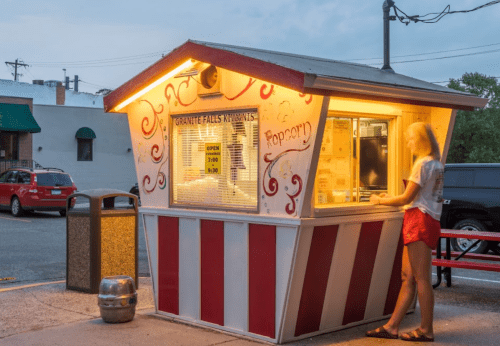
(375, 199)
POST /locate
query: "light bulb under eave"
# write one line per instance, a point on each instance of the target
(183, 66)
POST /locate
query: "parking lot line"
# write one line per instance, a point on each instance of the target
(473, 279)
(31, 285)
(11, 218)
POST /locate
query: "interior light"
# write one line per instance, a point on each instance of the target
(170, 74)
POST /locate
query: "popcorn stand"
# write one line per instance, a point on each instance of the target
(255, 169)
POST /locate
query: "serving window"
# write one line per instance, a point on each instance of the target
(353, 162)
(215, 160)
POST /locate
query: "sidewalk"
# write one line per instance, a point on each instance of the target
(51, 315)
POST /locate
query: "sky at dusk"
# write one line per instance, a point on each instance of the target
(106, 43)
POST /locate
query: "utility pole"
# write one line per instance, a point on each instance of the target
(386, 8)
(15, 64)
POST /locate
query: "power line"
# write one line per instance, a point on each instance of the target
(96, 85)
(406, 19)
(99, 61)
(429, 53)
(90, 66)
(443, 57)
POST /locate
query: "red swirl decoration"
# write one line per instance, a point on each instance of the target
(251, 81)
(263, 88)
(147, 180)
(309, 100)
(295, 180)
(177, 94)
(161, 181)
(156, 149)
(145, 121)
(157, 152)
(272, 187)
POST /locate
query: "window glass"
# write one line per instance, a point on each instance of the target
(487, 178)
(84, 149)
(53, 179)
(24, 177)
(353, 161)
(215, 159)
(458, 178)
(3, 177)
(12, 177)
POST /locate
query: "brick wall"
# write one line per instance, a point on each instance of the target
(60, 95)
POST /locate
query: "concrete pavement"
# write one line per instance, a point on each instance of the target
(48, 314)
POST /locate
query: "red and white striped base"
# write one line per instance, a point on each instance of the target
(275, 279)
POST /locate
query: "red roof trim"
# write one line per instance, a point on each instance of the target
(231, 61)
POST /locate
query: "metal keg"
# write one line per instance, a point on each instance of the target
(117, 299)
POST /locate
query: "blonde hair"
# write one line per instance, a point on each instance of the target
(426, 135)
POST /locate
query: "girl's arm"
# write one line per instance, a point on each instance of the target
(409, 195)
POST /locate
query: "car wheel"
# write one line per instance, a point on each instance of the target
(461, 244)
(62, 213)
(15, 207)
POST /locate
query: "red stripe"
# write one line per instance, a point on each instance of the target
(212, 271)
(395, 283)
(168, 264)
(262, 280)
(362, 272)
(316, 279)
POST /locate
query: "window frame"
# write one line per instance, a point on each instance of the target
(171, 204)
(394, 152)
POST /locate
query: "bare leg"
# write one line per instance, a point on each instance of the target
(405, 297)
(420, 256)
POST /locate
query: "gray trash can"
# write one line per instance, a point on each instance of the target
(101, 238)
(117, 299)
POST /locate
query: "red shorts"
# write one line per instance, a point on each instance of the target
(419, 226)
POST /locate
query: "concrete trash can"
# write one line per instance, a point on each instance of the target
(117, 299)
(101, 238)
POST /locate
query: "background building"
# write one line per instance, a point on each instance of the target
(75, 134)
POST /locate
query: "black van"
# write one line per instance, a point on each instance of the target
(472, 202)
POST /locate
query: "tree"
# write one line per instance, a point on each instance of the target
(103, 92)
(476, 136)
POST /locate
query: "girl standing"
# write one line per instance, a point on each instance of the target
(422, 201)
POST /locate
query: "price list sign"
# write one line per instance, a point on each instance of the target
(213, 158)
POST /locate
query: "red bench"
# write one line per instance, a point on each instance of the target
(449, 263)
(475, 256)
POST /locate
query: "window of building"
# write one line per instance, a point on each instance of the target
(215, 160)
(9, 145)
(353, 162)
(84, 149)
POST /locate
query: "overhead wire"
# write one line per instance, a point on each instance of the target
(99, 61)
(429, 53)
(406, 19)
(442, 57)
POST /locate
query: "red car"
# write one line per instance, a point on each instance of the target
(40, 189)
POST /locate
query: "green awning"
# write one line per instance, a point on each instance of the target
(15, 117)
(85, 133)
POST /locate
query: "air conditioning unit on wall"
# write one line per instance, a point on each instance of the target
(210, 82)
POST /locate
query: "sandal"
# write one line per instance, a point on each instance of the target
(416, 335)
(381, 333)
